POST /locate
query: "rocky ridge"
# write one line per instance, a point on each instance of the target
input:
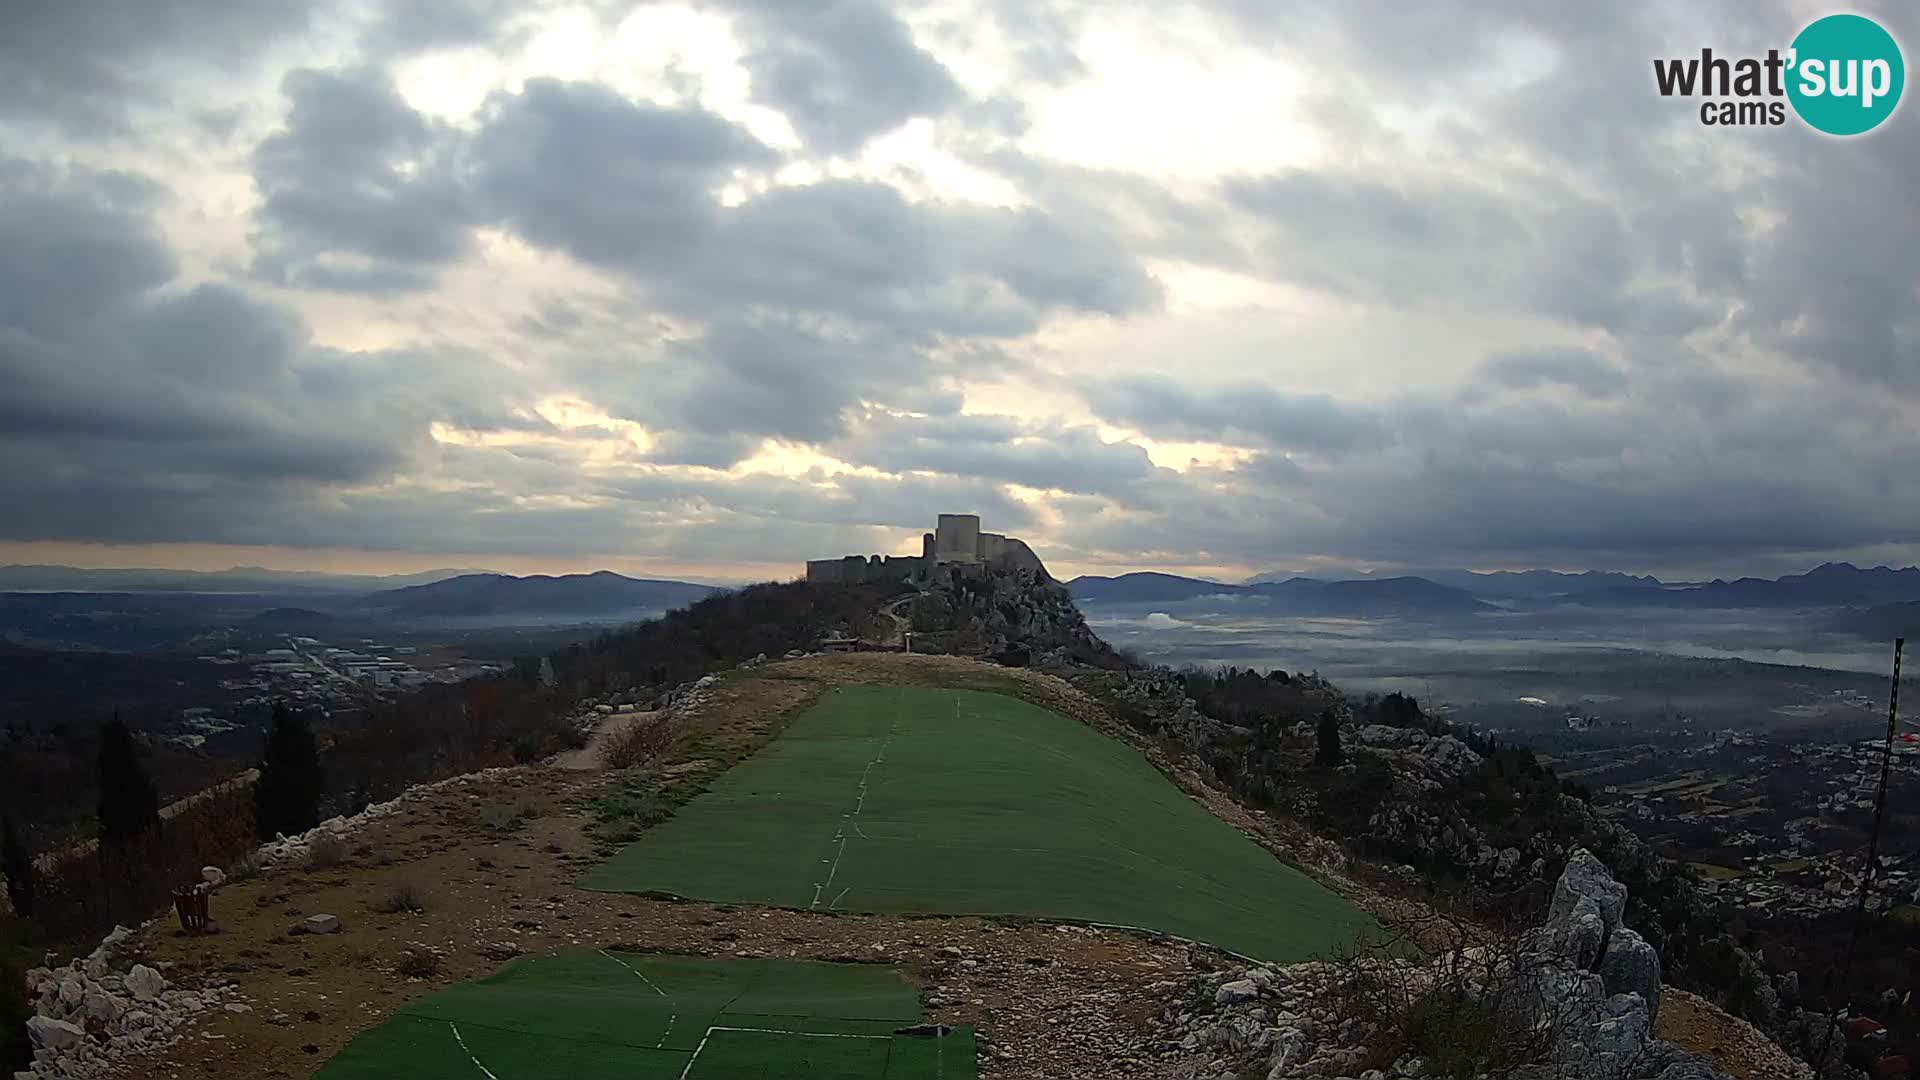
(93, 1013)
(1583, 977)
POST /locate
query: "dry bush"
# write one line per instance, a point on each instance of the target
(402, 898)
(636, 744)
(244, 868)
(419, 963)
(325, 852)
(1462, 996)
(499, 817)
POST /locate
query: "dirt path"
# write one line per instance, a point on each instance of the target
(592, 757)
(897, 637)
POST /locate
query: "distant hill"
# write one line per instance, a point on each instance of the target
(1882, 622)
(290, 619)
(1742, 593)
(1147, 588)
(600, 593)
(1499, 584)
(239, 579)
(1879, 585)
(1299, 595)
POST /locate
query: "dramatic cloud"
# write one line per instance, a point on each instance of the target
(742, 282)
(356, 191)
(841, 72)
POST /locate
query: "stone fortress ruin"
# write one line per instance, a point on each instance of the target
(955, 546)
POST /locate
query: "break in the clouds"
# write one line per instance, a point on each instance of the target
(736, 282)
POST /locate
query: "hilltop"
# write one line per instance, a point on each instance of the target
(539, 594)
(1294, 596)
(1416, 810)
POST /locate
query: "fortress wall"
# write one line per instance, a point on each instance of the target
(957, 538)
(1019, 556)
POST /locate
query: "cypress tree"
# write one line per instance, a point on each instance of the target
(18, 863)
(1330, 752)
(286, 798)
(129, 805)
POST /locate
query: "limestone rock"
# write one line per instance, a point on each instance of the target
(144, 983)
(1236, 991)
(321, 924)
(1631, 966)
(1586, 876)
(53, 1034)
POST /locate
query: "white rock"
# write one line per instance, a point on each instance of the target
(72, 991)
(53, 1034)
(144, 983)
(322, 924)
(102, 1006)
(213, 876)
(1236, 991)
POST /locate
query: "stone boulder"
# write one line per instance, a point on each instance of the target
(144, 983)
(53, 1034)
(1586, 877)
(1632, 966)
(321, 924)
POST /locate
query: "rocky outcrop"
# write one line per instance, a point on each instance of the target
(88, 1016)
(1574, 999)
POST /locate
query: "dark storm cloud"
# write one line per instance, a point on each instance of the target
(577, 167)
(1578, 369)
(1166, 408)
(842, 72)
(81, 65)
(68, 255)
(357, 192)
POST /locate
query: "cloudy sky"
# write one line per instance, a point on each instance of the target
(706, 289)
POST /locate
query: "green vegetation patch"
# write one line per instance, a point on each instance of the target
(897, 799)
(592, 1013)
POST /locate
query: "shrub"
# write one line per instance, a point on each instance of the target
(1470, 1005)
(499, 817)
(245, 867)
(637, 743)
(402, 898)
(325, 851)
(420, 963)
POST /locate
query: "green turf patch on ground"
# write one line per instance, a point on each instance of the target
(597, 1014)
(894, 799)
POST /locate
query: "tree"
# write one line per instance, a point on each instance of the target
(129, 805)
(18, 863)
(1330, 752)
(286, 798)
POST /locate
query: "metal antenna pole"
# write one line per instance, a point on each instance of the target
(1873, 848)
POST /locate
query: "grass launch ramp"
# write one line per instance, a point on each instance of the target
(602, 1015)
(897, 799)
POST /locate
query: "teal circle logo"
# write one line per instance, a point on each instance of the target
(1846, 74)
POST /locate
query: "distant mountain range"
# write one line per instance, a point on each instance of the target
(1882, 622)
(1299, 595)
(239, 579)
(499, 594)
(1831, 585)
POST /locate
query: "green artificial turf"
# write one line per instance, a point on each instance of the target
(960, 802)
(594, 1014)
